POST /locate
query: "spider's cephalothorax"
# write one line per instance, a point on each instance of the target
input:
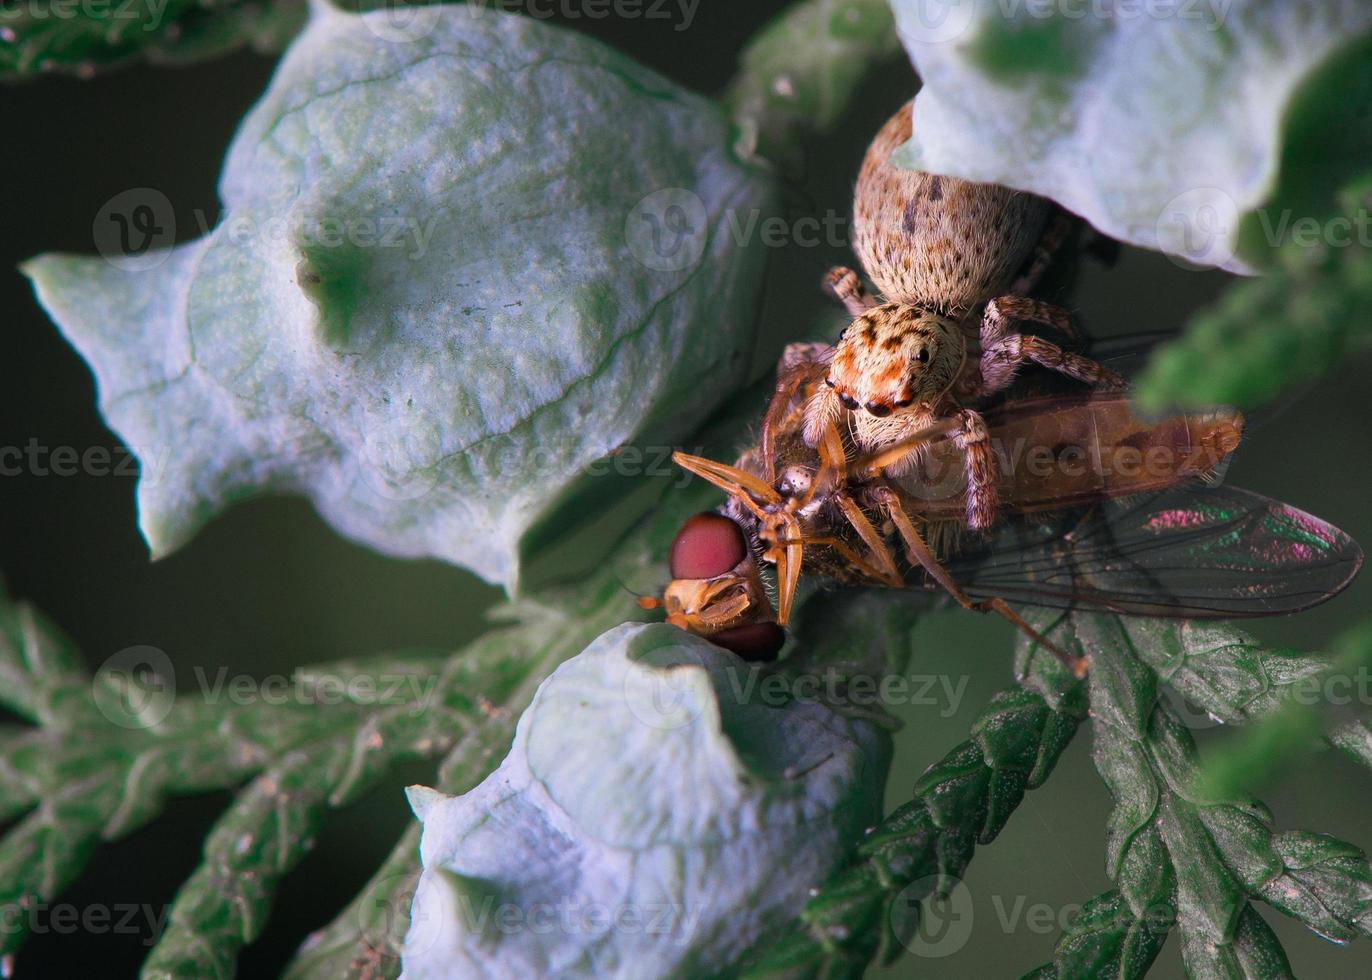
(891, 368)
(954, 260)
(894, 357)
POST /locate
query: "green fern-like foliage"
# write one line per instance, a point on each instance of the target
(53, 37)
(102, 755)
(1183, 860)
(1289, 327)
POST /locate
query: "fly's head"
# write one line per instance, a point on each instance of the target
(777, 525)
(776, 520)
(716, 590)
(710, 606)
(896, 358)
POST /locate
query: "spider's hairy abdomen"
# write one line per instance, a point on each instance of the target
(939, 241)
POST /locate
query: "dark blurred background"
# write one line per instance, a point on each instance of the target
(268, 586)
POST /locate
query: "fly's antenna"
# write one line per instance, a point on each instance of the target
(644, 600)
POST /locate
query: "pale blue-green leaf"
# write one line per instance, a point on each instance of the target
(657, 815)
(464, 255)
(1164, 125)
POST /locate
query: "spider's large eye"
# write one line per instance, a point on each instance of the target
(848, 401)
(922, 355)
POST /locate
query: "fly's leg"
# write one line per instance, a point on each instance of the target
(846, 286)
(878, 564)
(1004, 351)
(918, 553)
(878, 549)
(890, 579)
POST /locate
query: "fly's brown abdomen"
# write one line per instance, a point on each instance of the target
(1060, 452)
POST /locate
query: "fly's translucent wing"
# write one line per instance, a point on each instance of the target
(1194, 551)
(1128, 354)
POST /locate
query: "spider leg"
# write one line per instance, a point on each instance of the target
(833, 464)
(880, 459)
(996, 320)
(967, 429)
(846, 286)
(1003, 351)
(822, 412)
(810, 352)
(799, 363)
(974, 440)
(1059, 229)
(918, 553)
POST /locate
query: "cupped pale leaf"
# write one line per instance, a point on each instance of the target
(464, 256)
(1167, 125)
(657, 815)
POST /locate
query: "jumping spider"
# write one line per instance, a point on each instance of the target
(954, 260)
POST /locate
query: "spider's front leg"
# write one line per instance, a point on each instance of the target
(1003, 350)
(800, 363)
(846, 286)
(973, 439)
(967, 430)
(823, 411)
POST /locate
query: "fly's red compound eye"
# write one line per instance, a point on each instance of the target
(707, 545)
(756, 641)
